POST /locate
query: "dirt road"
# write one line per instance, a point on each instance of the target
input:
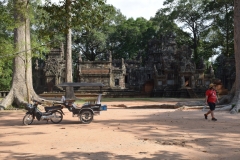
(122, 134)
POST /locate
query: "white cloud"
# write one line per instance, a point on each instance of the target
(137, 8)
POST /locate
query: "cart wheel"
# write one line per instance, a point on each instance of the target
(27, 119)
(86, 116)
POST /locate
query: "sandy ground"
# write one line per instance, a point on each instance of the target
(122, 134)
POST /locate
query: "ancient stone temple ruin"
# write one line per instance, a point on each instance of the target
(167, 71)
(47, 74)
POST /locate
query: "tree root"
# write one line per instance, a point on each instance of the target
(218, 108)
(14, 97)
(235, 109)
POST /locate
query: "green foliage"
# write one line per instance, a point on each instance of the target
(191, 15)
(7, 25)
(164, 24)
(80, 13)
(87, 20)
(222, 28)
(6, 46)
(5, 75)
(91, 42)
(40, 41)
(13, 107)
(131, 38)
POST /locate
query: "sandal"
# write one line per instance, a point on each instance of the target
(205, 116)
(214, 119)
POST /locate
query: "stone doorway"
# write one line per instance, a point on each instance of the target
(187, 81)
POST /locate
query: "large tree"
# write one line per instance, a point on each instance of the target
(90, 37)
(72, 13)
(192, 17)
(22, 88)
(69, 72)
(220, 34)
(236, 87)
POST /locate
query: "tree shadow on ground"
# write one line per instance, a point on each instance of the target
(180, 130)
(177, 129)
(89, 155)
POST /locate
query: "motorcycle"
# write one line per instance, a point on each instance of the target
(55, 113)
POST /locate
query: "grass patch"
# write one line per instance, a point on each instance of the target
(21, 107)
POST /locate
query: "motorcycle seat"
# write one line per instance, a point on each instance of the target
(52, 108)
(96, 102)
(76, 106)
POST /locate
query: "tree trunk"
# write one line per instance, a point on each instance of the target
(236, 99)
(22, 87)
(69, 78)
(229, 97)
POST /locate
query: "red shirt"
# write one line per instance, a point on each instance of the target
(212, 96)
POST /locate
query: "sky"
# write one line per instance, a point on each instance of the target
(136, 8)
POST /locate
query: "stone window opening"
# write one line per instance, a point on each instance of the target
(170, 76)
(126, 79)
(187, 82)
(199, 81)
(149, 76)
(116, 82)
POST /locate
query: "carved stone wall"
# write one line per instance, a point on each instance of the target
(98, 71)
(50, 72)
(167, 68)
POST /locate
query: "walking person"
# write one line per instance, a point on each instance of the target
(211, 99)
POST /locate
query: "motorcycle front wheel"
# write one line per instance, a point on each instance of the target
(57, 117)
(27, 119)
(86, 116)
